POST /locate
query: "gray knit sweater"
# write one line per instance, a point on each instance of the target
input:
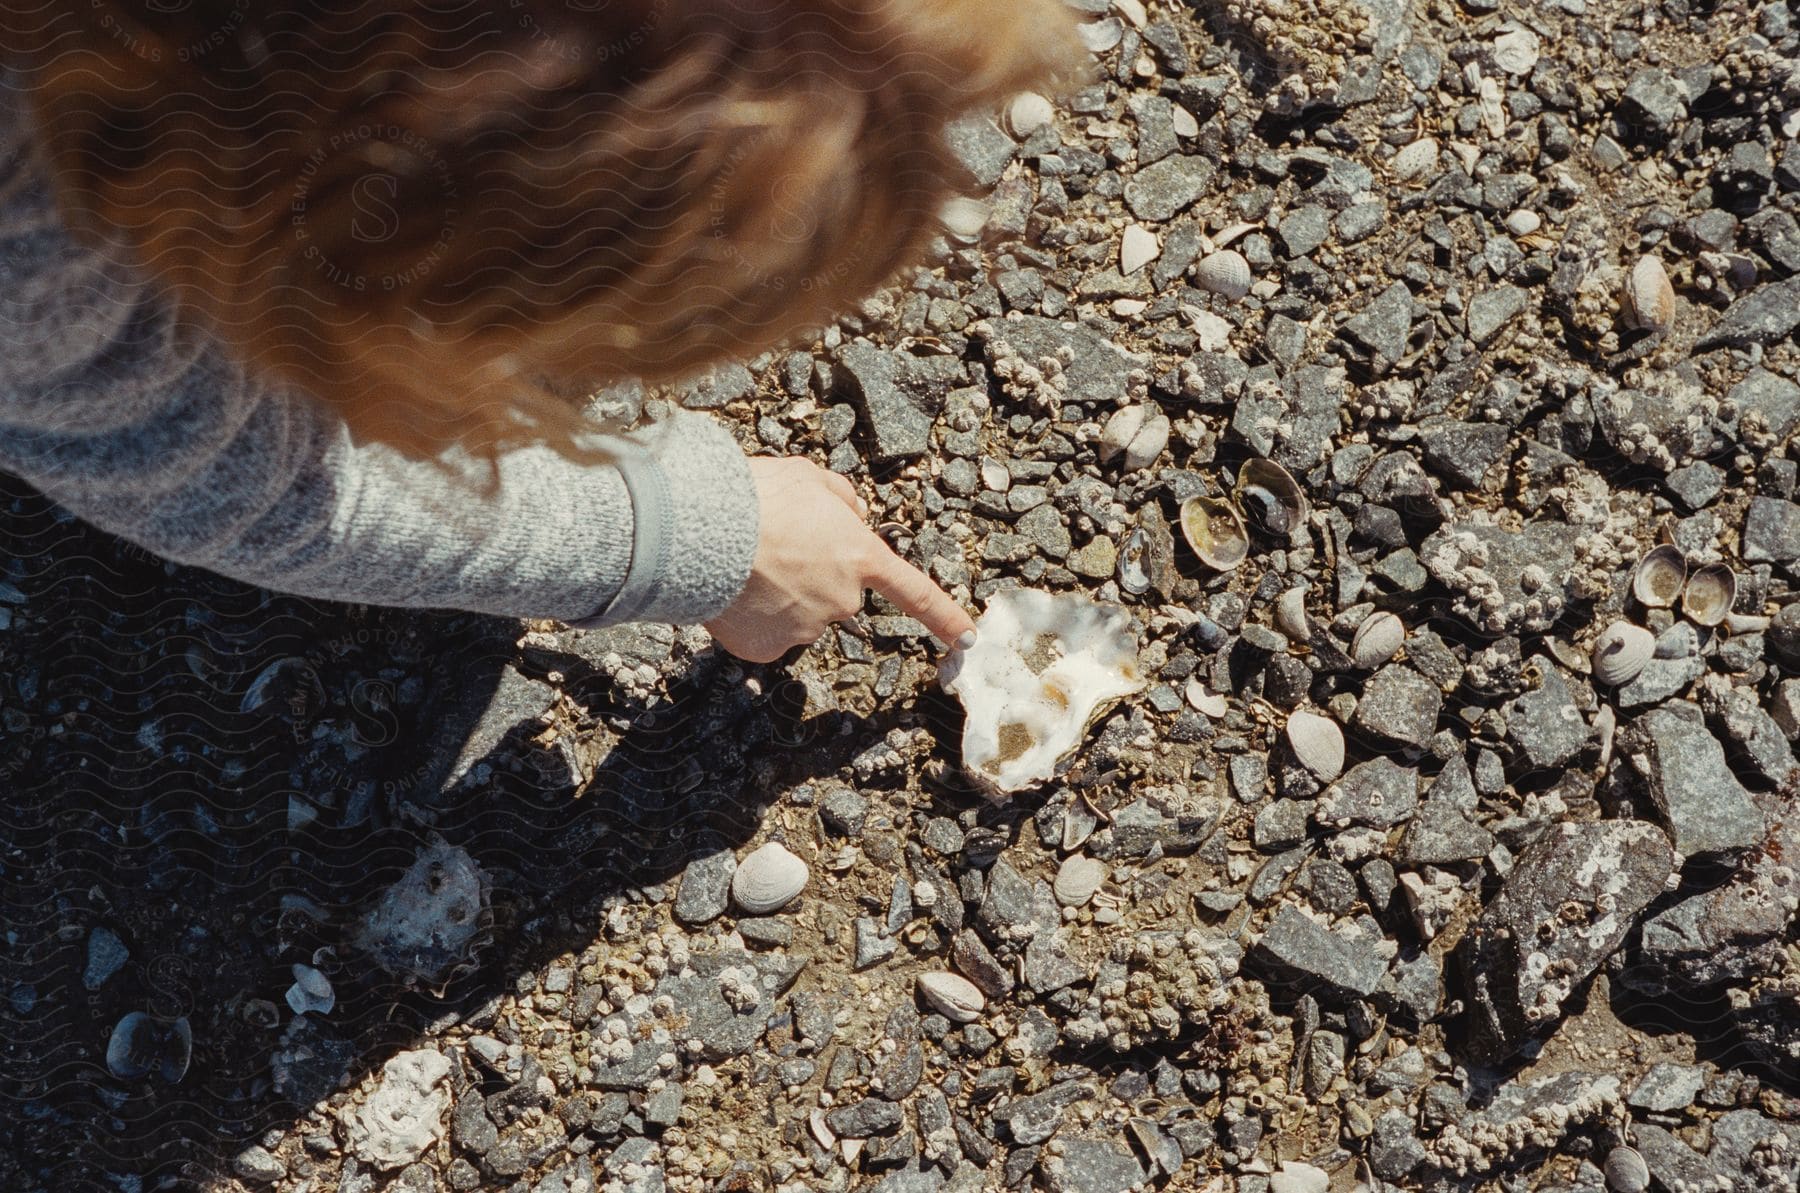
(166, 443)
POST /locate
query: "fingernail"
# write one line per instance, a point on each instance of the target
(966, 640)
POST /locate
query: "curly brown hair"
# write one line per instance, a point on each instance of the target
(440, 216)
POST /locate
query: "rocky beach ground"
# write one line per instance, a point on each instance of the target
(1446, 847)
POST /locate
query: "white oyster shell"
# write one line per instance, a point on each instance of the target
(953, 996)
(1043, 669)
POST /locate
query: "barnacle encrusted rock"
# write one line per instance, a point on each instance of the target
(1043, 669)
(404, 1117)
(428, 920)
(1569, 902)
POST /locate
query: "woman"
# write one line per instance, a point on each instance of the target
(305, 293)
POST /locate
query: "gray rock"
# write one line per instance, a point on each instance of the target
(1691, 787)
(1666, 1087)
(898, 395)
(1093, 1166)
(844, 811)
(1442, 834)
(1753, 736)
(1526, 1117)
(718, 388)
(705, 887)
(257, 1164)
(1160, 191)
(980, 145)
(1383, 327)
(1492, 310)
(1394, 1147)
(1462, 452)
(1570, 900)
(1096, 371)
(1654, 98)
(1772, 532)
(1304, 230)
(1763, 316)
(912, 1177)
(1378, 793)
(1733, 931)
(1297, 950)
(1544, 727)
(1745, 1140)
(873, 945)
(725, 997)
(1674, 1164)
(1548, 547)
(859, 1120)
(1659, 680)
(106, 955)
(1399, 705)
(1774, 400)
(1281, 824)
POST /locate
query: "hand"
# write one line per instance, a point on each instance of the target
(815, 557)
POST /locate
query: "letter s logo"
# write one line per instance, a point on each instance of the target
(376, 218)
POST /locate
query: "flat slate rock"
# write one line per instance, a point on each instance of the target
(1570, 901)
(1691, 786)
(1297, 950)
(1544, 727)
(1762, 316)
(1159, 192)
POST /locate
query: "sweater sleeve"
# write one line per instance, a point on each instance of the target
(160, 439)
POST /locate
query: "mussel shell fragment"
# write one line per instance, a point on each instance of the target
(1709, 594)
(1659, 577)
(142, 1045)
(1215, 532)
(1270, 498)
(1317, 743)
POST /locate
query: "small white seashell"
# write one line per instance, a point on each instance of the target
(1137, 248)
(1101, 36)
(1205, 700)
(311, 991)
(1296, 1177)
(1377, 640)
(964, 218)
(1077, 879)
(1416, 160)
(1027, 113)
(1649, 298)
(952, 995)
(1290, 615)
(1626, 1171)
(994, 475)
(1224, 273)
(1620, 652)
(1121, 428)
(1606, 726)
(1318, 744)
(1516, 50)
(1185, 123)
(1659, 577)
(769, 879)
(1524, 222)
(1133, 11)
(1148, 443)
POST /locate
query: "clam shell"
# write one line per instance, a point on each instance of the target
(1649, 299)
(1659, 577)
(1318, 744)
(1077, 879)
(1709, 593)
(769, 879)
(311, 991)
(1148, 443)
(1378, 639)
(1626, 1171)
(1290, 615)
(1269, 496)
(1225, 273)
(1215, 532)
(1027, 112)
(1621, 651)
(1121, 428)
(952, 996)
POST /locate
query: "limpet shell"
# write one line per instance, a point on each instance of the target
(1215, 532)
(141, 1045)
(1378, 639)
(1626, 1171)
(953, 996)
(1318, 744)
(1659, 577)
(1621, 651)
(1225, 273)
(1077, 879)
(769, 879)
(1649, 298)
(1137, 248)
(1709, 593)
(1271, 498)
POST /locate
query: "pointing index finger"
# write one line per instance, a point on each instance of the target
(915, 593)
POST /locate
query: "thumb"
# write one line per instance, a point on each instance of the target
(915, 593)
